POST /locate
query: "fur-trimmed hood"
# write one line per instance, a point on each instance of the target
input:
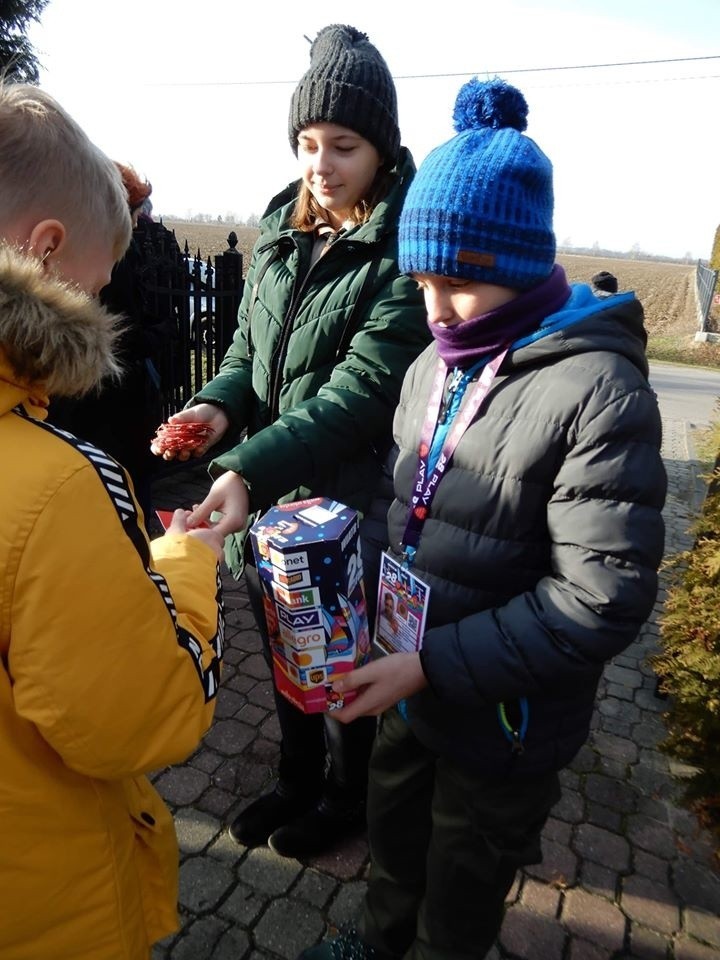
(53, 338)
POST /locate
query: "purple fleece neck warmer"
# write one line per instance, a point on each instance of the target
(467, 342)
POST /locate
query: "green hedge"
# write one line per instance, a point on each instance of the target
(689, 665)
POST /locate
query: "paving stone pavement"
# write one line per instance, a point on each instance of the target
(627, 871)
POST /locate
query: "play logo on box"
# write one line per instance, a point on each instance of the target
(299, 620)
(308, 558)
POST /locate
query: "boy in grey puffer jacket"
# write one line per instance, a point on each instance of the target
(528, 489)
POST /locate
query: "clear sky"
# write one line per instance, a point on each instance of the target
(195, 96)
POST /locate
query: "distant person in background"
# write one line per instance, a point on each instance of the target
(604, 284)
(327, 328)
(121, 416)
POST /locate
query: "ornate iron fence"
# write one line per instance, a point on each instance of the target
(198, 299)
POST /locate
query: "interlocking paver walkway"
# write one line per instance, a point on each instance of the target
(627, 871)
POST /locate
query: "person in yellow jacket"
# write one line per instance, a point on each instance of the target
(110, 645)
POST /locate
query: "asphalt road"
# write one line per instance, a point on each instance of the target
(686, 393)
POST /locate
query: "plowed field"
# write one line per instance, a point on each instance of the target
(211, 238)
(666, 290)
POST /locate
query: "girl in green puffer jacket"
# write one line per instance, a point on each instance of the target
(327, 329)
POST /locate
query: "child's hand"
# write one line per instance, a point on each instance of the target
(209, 535)
(380, 684)
(213, 417)
(213, 538)
(228, 501)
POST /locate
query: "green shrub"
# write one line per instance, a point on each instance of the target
(689, 665)
(674, 349)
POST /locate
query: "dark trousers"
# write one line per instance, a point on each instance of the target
(445, 845)
(309, 738)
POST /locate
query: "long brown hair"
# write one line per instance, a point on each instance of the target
(308, 211)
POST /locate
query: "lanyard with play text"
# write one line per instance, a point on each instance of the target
(425, 488)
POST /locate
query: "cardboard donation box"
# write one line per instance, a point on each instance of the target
(308, 558)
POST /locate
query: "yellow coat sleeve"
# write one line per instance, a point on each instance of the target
(116, 645)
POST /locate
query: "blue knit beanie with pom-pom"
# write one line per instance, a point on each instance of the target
(481, 205)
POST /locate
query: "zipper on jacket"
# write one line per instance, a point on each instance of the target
(278, 359)
(515, 728)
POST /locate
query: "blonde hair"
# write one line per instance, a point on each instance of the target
(50, 168)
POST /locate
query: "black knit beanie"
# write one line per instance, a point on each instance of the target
(348, 83)
(605, 281)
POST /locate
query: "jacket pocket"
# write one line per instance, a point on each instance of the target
(156, 857)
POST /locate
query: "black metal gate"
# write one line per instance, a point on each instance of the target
(200, 299)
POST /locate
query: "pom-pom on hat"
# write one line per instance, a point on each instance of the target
(348, 83)
(481, 205)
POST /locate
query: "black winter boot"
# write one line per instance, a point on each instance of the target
(337, 815)
(253, 826)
